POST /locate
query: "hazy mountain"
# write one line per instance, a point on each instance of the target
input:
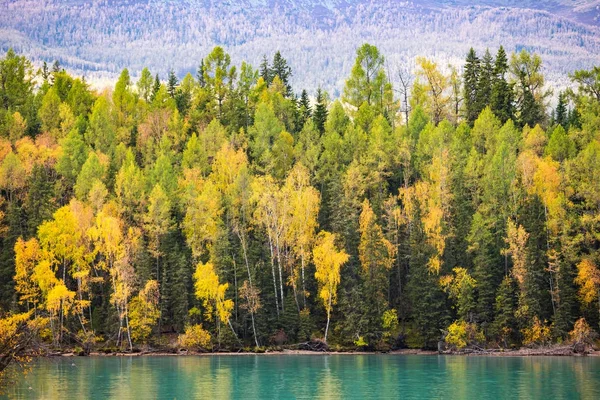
(98, 38)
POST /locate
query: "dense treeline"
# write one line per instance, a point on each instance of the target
(230, 211)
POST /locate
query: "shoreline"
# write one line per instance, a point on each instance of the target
(543, 352)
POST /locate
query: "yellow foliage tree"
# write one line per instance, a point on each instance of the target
(462, 333)
(588, 279)
(117, 252)
(374, 250)
(538, 333)
(516, 238)
(27, 255)
(144, 311)
(212, 293)
(305, 201)
(195, 337)
(328, 261)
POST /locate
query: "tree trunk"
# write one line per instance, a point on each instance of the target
(243, 242)
(274, 278)
(328, 315)
(303, 285)
(280, 273)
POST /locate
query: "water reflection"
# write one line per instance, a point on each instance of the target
(312, 376)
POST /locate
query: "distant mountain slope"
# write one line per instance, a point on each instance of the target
(318, 37)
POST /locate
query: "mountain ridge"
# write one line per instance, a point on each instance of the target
(99, 38)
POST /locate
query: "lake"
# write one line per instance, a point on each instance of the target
(311, 376)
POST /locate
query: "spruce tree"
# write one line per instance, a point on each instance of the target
(39, 204)
(155, 88)
(172, 84)
(281, 69)
(470, 82)
(561, 114)
(501, 100)
(484, 84)
(304, 108)
(429, 310)
(200, 74)
(504, 327)
(320, 114)
(265, 70)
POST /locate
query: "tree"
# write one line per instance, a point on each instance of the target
(92, 170)
(49, 114)
(202, 224)
(461, 289)
(376, 255)
(200, 74)
(208, 289)
(320, 114)
(251, 297)
(144, 311)
(265, 70)
(304, 108)
(528, 81)
(219, 76)
(172, 84)
(19, 334)
(144, 85)
(262, 135)
(155, 88)
(367, 79)
(16, 81)
(588, 81)
(124, 105)
(157, 222)
(470, 82)
(588, 278)
(117, 251)
(281, 69)
(328, 262)
(561, 114)
(431, 91)
(305, 202)
(101, 132)
(485, 82)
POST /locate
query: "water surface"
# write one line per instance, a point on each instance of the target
(311, 376)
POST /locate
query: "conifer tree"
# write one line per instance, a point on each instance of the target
(265, 70)
(485, 82)
(471, 81)
(155, 88)
(320, 114)
(501, 100)
(281, 69)
(200, 74)
(172, 84)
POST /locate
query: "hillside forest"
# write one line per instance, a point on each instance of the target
(229, 210)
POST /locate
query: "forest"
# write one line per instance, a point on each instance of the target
(228, 211)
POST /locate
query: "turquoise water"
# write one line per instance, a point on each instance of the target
(311, 376)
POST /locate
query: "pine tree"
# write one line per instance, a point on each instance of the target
(470, 82)
(320, 113)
